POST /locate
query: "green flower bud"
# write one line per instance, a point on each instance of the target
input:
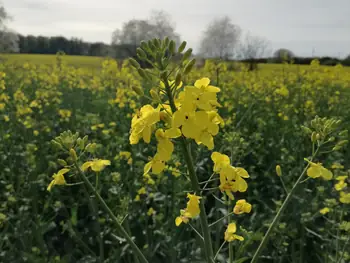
(141, 54)
(85, 139)
(134, 63)
(318, 136)
(343, 133)
(313, 137)
(182, 47)
(164, 75)
(138, 90)
(178, 78)
(91, 147)
(145, 46)
(62, 162)
(187, 54)
(154, 95)
(278, 170)
(142, 73)
(73, 155)
(172, 47)
(189, 66)
(80, 143)
(56, 145)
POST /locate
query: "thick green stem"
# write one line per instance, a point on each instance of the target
(105, 207)
(279, 213)
(195, 185)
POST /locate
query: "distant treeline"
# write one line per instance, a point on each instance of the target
(74, 46)
(329, 61)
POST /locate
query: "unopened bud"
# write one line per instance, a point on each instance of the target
(344, 133)
(172, 47)
(73, 154)
(62, 162)
(182, 46)
(318, 136)
(278, 170)
(164, 76)
(342, 143)
(189, 66)
(178, 78)
(134, 63)
(140, 53)
(313, 137)
(91, 147)
(57, 145)
(331, 139)
(187, 54)
(154, 95)
(80, 143)
(138, 90)
(164, 116)
(142, 73)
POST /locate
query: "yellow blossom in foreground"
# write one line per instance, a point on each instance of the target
(96, 165)
(325, 210)
(58, 179)
(317, 170)
(242, 206)
(220, 161)
(230, 233)
(142, 124)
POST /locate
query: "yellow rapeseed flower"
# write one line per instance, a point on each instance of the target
(317, 170)
(242, 206)
(97, 165)
(230, 233)
(324, 210)
(192, 210)
(58, 179)
(142, 124)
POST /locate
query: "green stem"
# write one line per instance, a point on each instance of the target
(195, 185)
(280, 212)
(105, 207)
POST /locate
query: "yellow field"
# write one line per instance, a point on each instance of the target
(37, 59)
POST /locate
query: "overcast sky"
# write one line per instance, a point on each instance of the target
(299, 25)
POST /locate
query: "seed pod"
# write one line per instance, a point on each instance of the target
(278, 170)
(182, 47)
(137, 90)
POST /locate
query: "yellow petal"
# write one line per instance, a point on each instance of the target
(178, 221)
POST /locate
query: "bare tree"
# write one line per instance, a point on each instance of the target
(134, 31)
(8, 39)
(163, 26)
(253, 47)
(220, 39)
